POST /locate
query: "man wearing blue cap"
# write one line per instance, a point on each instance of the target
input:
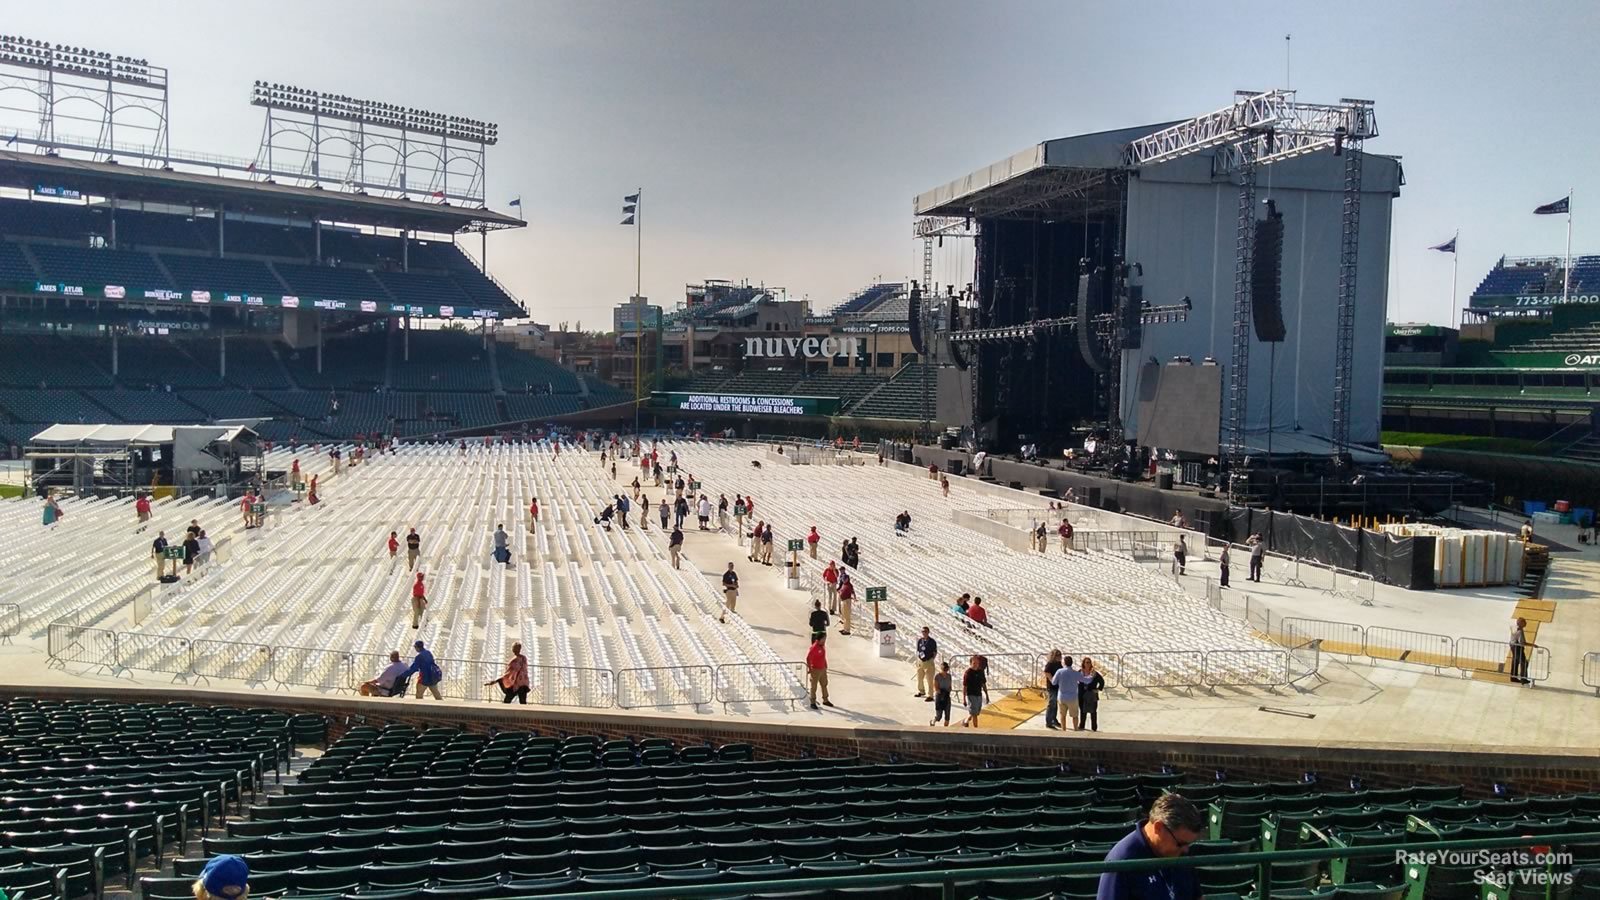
(223, 878)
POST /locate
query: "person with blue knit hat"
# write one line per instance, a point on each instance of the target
(224, 878)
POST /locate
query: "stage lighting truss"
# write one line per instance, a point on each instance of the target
(327, 139)
(52, 96)
(1103, 323)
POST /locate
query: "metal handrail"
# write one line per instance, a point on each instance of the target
(948, 878)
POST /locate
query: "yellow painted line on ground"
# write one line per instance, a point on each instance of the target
(1010, 712)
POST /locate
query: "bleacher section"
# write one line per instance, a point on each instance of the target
(756, 381)
(848, 388)
(60, 234)
(864, 299)
(98, 266)
(520, 369)
(899, 398)
(602, 394)
(533, 407)
(1539, 276)
(355, 363)
(446, 360)
(148, 361)
(234, 276)
(146, 406)
(34, 360)
(1584, 338)
(49, 407)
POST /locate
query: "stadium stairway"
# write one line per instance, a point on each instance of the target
(161, 267)
(27, 254)
(495, 383)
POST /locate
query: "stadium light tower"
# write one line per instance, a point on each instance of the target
(320, 138)
(49, 91)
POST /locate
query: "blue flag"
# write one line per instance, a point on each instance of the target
(627, 221)
(1560, 207)
(631, 198)
(1446, 247)
(516, 202)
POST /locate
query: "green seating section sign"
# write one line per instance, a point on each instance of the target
(877, 594)
(796, 545)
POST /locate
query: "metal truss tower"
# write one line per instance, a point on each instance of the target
(1349, 257)
(1244, 254)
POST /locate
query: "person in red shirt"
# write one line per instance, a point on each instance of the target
(817, 671)
(811, 542)
(533, 515)
(977, 613)
(847, 597)
(394, 545)
(830, 584)
(419, 601)
(1066, 535)
(141, 507)
(247, 507)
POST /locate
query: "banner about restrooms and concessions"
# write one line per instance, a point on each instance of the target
(746, 404)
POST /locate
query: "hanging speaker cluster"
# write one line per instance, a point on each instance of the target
(1266, 278)
(914, 320)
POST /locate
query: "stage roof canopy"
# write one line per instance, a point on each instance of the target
(1065, 177)
(134, 435)
(242, 195)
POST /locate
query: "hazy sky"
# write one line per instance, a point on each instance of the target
(783, 142)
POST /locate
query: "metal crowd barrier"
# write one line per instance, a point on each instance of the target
(310, 667)
(1246, 668)
(1163, 669)
(1402, 645)
(10, 622)
(571, 686)
(72, 643)
(1437, 651)
(768, 682)
(250, 663)
(1591, 670)
(1011, 671)
(155, 653)
(654, 686)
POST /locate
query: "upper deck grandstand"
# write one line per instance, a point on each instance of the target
(142, 284)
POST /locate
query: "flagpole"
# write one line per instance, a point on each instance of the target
(1455, 269)
(638, 308)
(1566, 272)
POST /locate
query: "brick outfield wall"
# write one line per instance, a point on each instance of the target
(1526, 770)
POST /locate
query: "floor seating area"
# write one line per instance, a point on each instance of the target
(1115, 605)
(577, 596)
(93, 793)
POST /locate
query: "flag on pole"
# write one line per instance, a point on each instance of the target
(250, 168)
(627, 221)
(630, 208)
(631, 198)
(437, 195)
(1558, 208)
(516, 202)
(11, 140)
(1446, 247)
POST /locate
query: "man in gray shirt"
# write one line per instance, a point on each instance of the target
(502, 553)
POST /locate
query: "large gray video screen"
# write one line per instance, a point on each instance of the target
(1180, 407)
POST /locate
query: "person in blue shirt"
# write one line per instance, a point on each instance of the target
(426, 670)
(1174, 824)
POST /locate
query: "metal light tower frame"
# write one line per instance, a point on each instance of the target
(1258, 129)
(118, 96)
(315, 138)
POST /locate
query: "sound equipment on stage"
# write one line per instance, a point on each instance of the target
(1266, 277)
(1091, 497)
(1088, 299)
(1164, 481)
(956, 465)
(914, 319)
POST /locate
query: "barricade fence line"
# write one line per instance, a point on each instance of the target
(760, 682)
(1591, 670)
(783, 681)
(10, 621)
